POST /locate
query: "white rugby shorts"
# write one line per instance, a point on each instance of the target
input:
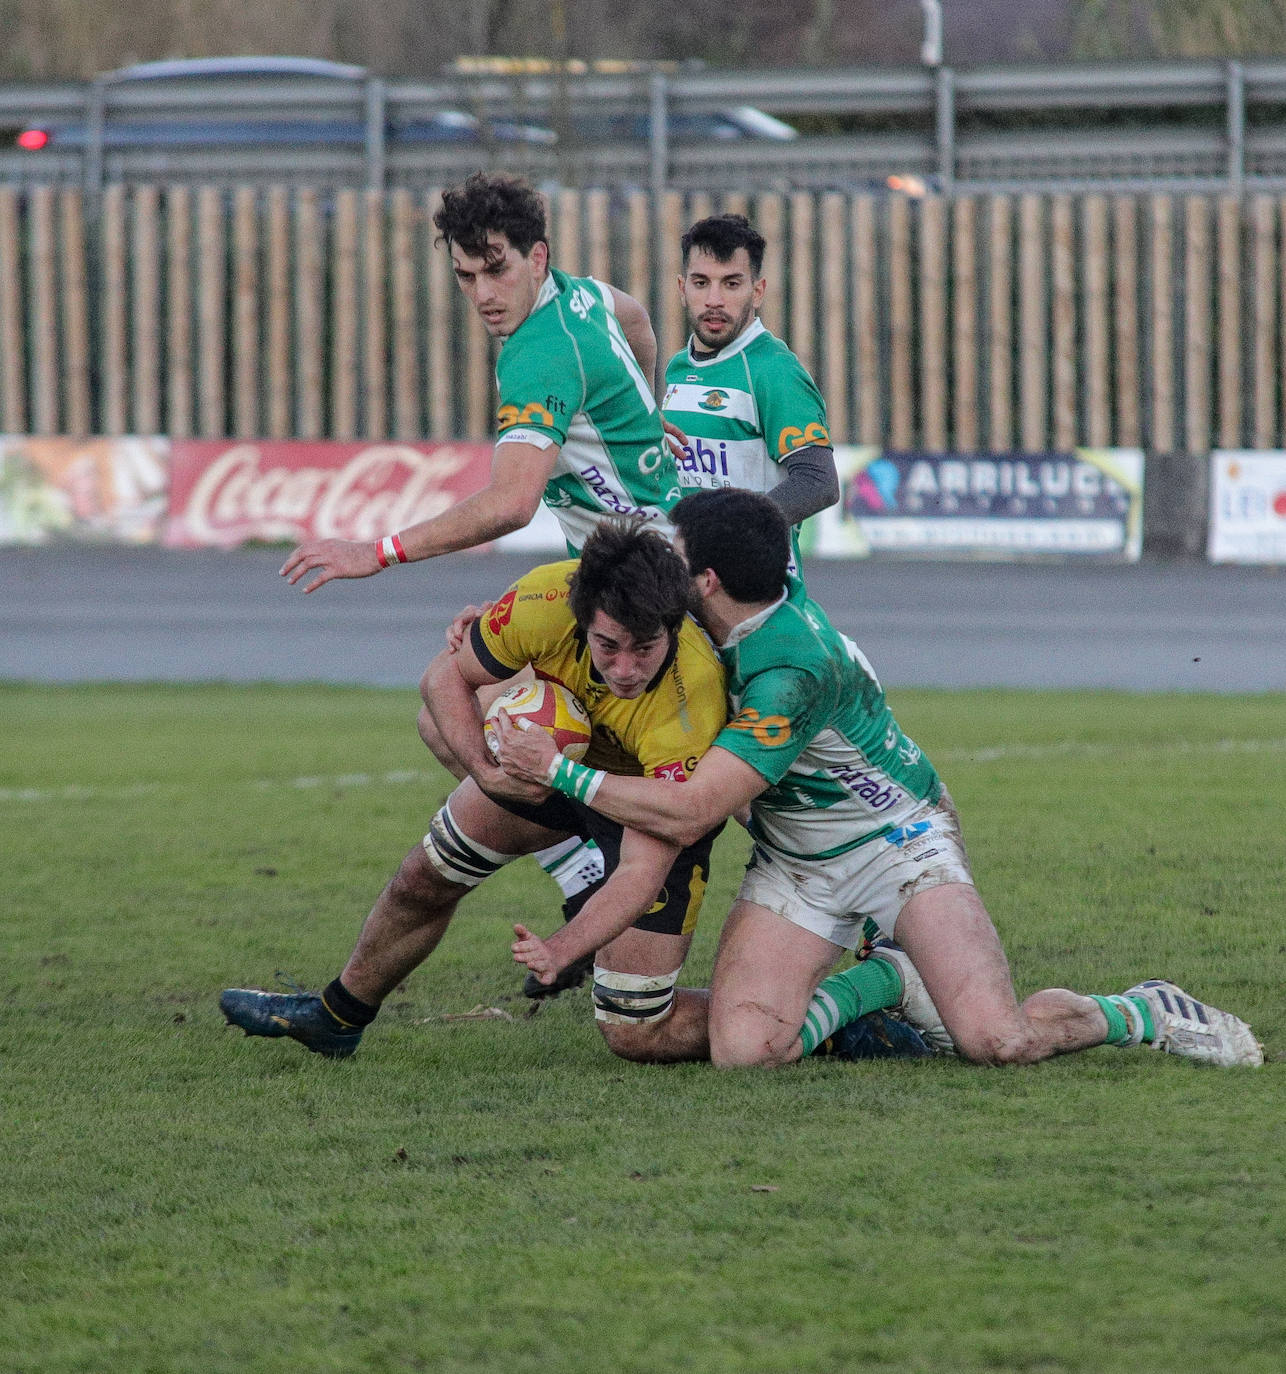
(833, 897)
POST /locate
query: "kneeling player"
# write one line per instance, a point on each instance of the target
(613, 628)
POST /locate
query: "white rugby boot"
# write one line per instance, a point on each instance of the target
(916, 1006)
(1194, 1030)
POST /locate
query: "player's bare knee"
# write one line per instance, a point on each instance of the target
(417, 882)
(753, 1040)
(998, 1047)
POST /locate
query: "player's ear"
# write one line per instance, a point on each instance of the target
(757, 294)
(539, 255)
(706, 581)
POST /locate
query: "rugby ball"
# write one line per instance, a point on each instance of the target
(551, 706)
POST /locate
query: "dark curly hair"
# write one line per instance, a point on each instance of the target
(630, 573)
(741, 535)
(491, 203)
(721, 236)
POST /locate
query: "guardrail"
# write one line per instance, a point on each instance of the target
(1175, 126)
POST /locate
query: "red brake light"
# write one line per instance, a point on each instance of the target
(33, 139)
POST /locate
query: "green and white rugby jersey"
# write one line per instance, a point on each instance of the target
(567, 376)
(744, 411)
(809, 715)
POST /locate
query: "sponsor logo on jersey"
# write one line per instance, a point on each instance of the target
(714, 400)
(672, 772)
(792, 437)
(905, 834)
(659, 905)
(502, 612)
(696, 457)
(533, 413)
(874, 789)
(598, 484)
(767, 730)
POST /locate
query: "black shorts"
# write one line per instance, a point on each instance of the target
(678, 903)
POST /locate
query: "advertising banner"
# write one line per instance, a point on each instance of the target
(1247, 507)
(106, 489)
(228, 492)
(1086, 503)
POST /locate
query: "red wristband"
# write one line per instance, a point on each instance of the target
(389, 550)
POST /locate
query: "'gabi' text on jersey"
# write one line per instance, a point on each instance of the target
(567, 376)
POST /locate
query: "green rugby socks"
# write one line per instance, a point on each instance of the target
(871, 985)
(1129, 1020)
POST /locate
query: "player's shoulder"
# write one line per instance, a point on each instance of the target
(768, 355)
(696, 653)
(797, 636)
(571, 300)
(541, 593)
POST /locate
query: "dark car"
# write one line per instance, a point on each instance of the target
(177, 119)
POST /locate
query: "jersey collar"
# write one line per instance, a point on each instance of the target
(549, 288)
(747, 336)
(747, 627)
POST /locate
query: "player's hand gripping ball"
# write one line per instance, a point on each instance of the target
(551, 706)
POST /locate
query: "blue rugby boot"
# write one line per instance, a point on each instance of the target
(303, 1016)
(877, 1035)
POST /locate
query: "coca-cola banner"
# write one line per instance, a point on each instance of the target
(54, 488)
(229, 492)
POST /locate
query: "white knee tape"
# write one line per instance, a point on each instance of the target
(631, 999)
(458, 858)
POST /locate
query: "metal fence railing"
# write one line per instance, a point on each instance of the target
(1196, 125)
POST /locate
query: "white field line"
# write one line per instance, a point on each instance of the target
(78, 792)
(981, 754)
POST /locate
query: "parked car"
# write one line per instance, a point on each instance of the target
(199, 127)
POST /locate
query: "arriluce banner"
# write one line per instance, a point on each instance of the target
(229, 492)
(1085, 503)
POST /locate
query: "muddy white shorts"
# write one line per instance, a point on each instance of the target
(833, 897)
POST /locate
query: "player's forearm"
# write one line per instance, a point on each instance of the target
(612, 910)
(453, 704)
(811, 484)
(478, 519)
(673, 811)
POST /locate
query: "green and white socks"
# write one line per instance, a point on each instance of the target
(1129, 1020)
(872, 985)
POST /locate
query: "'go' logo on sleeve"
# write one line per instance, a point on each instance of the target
(767, 730)
(792, 437)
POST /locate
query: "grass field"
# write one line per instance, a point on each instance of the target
(491, 1195)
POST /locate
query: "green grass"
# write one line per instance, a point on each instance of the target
(489, 1195)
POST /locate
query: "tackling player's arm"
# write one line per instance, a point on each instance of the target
(678, 812)
(519, 472)
(623, 898)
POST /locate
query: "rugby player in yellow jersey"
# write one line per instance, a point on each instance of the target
(614, 628)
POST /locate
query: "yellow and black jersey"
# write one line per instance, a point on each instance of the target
(660, 734)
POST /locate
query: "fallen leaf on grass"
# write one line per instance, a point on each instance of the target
(478, 1013)
(764, 1188)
